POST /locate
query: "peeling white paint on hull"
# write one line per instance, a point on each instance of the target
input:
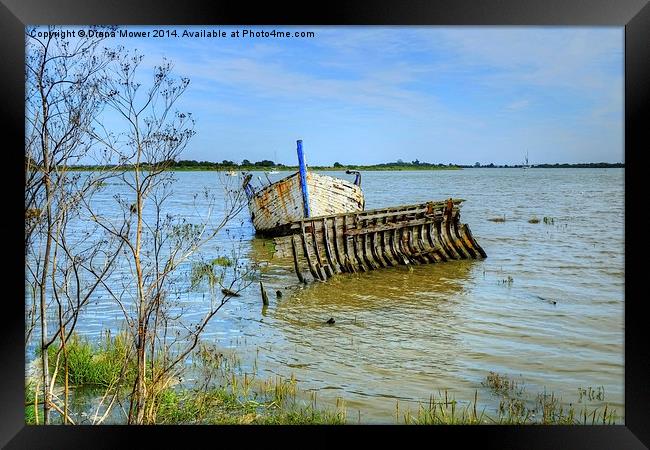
(282, 202)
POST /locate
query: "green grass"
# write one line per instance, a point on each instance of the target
(98, 364)
(220, 405)
(225, 394)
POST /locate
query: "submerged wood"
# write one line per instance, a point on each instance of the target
(366, 240)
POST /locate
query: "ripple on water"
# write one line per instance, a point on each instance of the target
(404, 335)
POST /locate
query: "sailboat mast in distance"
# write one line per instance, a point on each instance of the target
(526, 165)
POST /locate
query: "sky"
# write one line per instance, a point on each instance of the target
(367, 95)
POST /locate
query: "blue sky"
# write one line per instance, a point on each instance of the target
(376, 94)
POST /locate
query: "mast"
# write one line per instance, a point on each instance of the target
(303, 178)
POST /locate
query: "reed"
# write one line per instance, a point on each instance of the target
(226, 394)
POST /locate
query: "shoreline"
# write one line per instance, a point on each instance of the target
(343, 169)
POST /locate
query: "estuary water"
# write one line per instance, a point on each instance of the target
(546, 307)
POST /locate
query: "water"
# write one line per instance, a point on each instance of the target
(403, 335)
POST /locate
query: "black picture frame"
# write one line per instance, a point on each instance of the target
(634, 15)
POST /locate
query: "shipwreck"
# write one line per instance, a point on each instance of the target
(320, 222)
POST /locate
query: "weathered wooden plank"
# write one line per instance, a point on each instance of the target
(467, 234)
(376, 250)
(349, 250)
(420, 208)
(462, 242)
(331, 259)
(424, 235)
(411, 242)
(420, 244)
(453, 239)
(395, 245)
(434, 241)
(390, 226)
(295, 260)
(338, 244)
(367, 252)
(310, 262)
(391, 256)
(445, 240)
(358, 252)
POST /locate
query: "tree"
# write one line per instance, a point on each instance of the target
(62, 102)
(477, 164)
(338, 164)
(265, 163)
(245, 163)
(157, 241)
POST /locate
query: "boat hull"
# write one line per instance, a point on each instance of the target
(277, 205)
(358, 242)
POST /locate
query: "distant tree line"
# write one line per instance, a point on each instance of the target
(226, 163)
(599, 165)
(396, 165)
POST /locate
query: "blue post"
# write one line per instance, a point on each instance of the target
(303, 178)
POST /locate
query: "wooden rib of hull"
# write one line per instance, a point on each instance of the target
(357, 242)
(281, 203)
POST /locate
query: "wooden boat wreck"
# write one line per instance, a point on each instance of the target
(300, 195)
(320, 222)
(361, 241)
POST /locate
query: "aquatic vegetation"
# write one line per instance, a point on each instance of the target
(549, 220)
(498, 219)
(501, 384)
(223, 261)
(516, 407)
(226, 394)
(534, 219)
(591, 393)
(101, 363)
(507, 281)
